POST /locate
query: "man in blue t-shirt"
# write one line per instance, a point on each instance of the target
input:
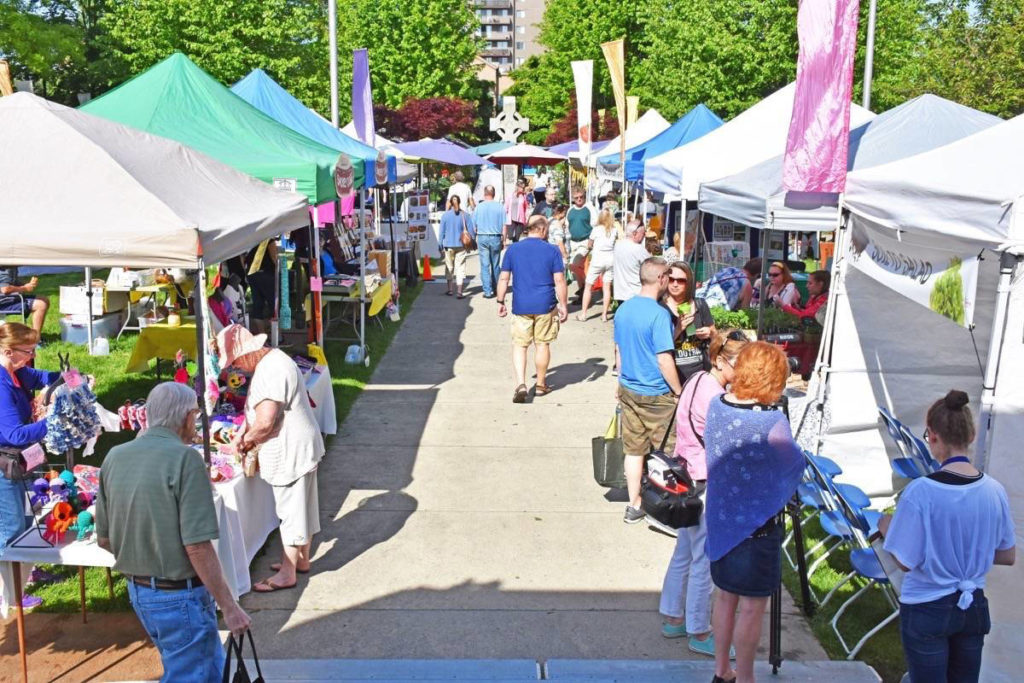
(489, 218)
(648, 382)
(539, 303)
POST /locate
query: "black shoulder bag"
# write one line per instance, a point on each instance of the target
(241, 673)
(667, 492)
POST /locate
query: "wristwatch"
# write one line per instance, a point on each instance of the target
(501, 303)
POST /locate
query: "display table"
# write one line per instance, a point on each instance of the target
(161, 341)
(377, 299)
(245, 515)
(138, 293)
(321, 397)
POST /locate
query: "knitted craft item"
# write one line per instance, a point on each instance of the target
(72, 420)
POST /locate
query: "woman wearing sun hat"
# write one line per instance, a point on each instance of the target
(281, 426)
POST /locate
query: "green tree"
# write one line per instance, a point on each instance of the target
(417, 49)
(901, 28)
(574, 30)
(228, 38)
(728, 54)
(47, 51)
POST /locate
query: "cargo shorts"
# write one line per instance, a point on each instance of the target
(645, 419)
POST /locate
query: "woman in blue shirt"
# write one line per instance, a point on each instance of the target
(453, 222)
(949, 529)
(17, 428)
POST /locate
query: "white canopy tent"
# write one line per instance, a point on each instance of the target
(753, 136)
(83, 191)
(755, 195)
(646, 127)
(958, 200)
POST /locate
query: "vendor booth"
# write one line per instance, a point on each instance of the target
(128, 198)
(945, 230)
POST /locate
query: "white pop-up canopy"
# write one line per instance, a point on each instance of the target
(83, 191)
(918, 125)
(646, 127)
(907, 220)
(755, 135)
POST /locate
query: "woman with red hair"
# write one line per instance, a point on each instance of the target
(754, 466)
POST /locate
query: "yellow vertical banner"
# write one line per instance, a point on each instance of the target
(632, 110)
(615, 55)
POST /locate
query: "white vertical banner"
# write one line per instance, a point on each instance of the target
(941, 279)
(583, 77)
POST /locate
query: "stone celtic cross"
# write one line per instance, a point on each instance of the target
(509, 124)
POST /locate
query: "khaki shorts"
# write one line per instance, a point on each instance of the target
(644, 421)
(530, 329)
(298, 507)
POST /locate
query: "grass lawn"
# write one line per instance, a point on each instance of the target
(883, 651)
(114, 386)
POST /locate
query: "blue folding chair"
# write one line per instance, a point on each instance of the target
(904, 465)
(919, 451)
(15, 308)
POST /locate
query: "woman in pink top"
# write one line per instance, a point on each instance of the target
(689, 565)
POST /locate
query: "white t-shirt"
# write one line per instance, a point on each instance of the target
(298, 446)
(947, 535)
(463, 192)
(603, 243)
(628, 258)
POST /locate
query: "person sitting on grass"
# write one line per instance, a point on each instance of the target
(11, 287)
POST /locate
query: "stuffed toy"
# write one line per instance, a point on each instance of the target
(40, 493)
(180, 368)
(61, 518)
(58, 490)
(68, 477)
(85, 524)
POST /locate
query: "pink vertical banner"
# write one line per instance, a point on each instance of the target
(819, 131)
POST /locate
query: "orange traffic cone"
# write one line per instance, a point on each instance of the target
(427, 277)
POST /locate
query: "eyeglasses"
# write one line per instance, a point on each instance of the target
(27, 352)
(578, 199)
(737, 335)
(770, 274)
(677, 280)
(927, 433)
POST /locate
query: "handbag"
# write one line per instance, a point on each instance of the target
(241, 674)
(468, 241)
(667, 492)
(13, 464)
(608, 456)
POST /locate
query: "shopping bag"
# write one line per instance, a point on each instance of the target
(241, 674)
(608, 457)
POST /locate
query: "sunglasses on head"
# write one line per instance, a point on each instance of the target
(737, 335)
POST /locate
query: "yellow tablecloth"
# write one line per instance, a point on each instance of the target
(160, 340)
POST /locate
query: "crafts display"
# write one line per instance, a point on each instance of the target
(133, 415)
(70, 501)
(72, 419)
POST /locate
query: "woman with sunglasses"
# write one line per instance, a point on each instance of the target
(950, 527)
(689, 570)
(18, 429)
(693, 325)
(782, 289)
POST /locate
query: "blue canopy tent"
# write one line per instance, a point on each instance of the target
(264, 93)
(695, 123)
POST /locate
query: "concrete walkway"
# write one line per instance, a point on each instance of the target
(457, 524)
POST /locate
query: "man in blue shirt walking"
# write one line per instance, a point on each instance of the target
(648, 381)
(490, 237)
(539, 304)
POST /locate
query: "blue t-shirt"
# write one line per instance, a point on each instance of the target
(533, 263)
(489, 217)
(643, 329)
(947, 536)
(451, 228)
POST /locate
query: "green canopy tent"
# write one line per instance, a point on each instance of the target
(176, 99)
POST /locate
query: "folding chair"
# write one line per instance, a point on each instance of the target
(15, 308)
(904, 465)
(919, 451)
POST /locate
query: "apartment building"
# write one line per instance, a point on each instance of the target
(509, 28)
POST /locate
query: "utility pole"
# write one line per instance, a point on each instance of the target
(869, 54)
(332, 30)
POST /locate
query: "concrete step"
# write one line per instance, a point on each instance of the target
(566, 670)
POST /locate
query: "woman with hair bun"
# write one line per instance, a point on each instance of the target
(754, 467)
(949, 529)
(689, 567)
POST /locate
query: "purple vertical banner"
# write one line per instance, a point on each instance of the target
(362, 98)
(819, 131)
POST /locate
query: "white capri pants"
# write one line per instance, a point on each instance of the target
(298, 507)
(600, 266)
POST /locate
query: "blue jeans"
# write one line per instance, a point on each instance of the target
(943, 642)
(12, 510)
(183, 626)
(490, 261)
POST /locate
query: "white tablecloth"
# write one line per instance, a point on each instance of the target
(321, 393)
(245, 513)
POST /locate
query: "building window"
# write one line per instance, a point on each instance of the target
(519, 61)
(521, 13)
(520, 45)
(520, 29)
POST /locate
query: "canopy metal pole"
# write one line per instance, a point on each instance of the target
(763, 295)
(362, 272)
(837, 286)
(88, 295)
(869, 54)
(198, 293)
(332, 31)
(1008, 263)
(316, 301)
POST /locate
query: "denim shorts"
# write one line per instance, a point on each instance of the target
(753, 568)
(183, 626)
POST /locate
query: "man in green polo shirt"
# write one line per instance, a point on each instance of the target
(154, 512)
(581, 219)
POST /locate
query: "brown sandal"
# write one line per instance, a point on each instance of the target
(541, 389)
(520, 394)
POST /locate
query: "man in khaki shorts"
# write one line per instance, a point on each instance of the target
(539, 305)
(648, 382)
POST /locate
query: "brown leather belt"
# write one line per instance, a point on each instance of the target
(167, 584)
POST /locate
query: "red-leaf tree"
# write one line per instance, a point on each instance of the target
(430, 117)
(564, 129)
